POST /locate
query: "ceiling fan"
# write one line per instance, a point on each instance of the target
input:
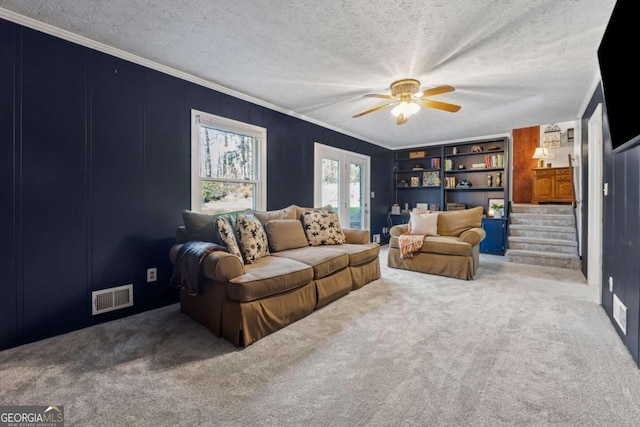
(407, 99)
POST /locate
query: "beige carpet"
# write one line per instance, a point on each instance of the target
(520, 346)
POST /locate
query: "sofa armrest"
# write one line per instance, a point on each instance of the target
(222, 266)
(473, 236)
(398, 230)
(219, 266)
(356, 236)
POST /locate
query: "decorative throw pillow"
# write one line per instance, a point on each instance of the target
(200, 227)
(300, 210)
(426, 224)
(252, 237)
(227, 234)
(322, 227)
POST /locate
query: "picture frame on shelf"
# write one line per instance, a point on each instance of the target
(415, 181)
(431, 179)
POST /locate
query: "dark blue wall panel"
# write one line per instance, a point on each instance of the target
(54, 213)
(166, 177)
(105, 148)
(116, 173)
(8, 292)
(621, 235)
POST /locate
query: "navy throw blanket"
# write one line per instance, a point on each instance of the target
(187, 271)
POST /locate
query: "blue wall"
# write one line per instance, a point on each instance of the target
(95, 171)
(621, 226)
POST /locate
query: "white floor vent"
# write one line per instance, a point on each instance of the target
(111, 299)
(620, 313)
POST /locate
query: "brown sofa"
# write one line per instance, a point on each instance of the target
(455, 252)
(244, 303)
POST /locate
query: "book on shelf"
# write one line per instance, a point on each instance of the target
(495, 161)
(450, 182)
(448, 164)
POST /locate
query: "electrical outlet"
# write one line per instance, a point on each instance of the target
(152, 274)
(376, 238)
(610, 284)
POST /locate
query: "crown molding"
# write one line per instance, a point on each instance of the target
(122, 54)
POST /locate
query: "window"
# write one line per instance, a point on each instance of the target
(228, 165)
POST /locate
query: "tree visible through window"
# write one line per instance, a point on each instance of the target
(229, 173)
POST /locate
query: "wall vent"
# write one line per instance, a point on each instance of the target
(620, 313)
(111, 299)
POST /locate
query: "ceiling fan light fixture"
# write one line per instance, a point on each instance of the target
(407, 109)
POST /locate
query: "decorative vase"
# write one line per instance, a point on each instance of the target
(497, 213)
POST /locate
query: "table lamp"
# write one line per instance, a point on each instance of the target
(541, 153)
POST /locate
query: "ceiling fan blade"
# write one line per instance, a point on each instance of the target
(377, 95)
(452, 108)
(379, 107)
(401, 120)
(438, 90)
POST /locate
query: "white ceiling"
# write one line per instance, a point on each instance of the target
(514, 63)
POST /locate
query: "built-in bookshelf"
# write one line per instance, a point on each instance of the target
(468, 174)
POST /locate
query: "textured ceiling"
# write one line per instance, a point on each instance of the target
(514, 63)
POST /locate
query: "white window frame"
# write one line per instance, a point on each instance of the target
(228, 125)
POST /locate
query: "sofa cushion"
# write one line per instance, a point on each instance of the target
(454, 223)
(284, 234)
(445, 245)
(323, 260)
(267, 276)
(252, 238)
(226, 230)
(424, 223)
(322, 227)
(360, 254)
(200, 227)
(265, 216)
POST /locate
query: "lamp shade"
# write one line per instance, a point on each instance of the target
(541, 153)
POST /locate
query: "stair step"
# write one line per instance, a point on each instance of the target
(543, 231)
(541, 209)
(546, 259)
(560, 220)
(543, 245)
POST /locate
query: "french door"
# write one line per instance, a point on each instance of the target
(341, 179)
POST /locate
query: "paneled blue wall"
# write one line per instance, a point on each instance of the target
(95, 171)
(621, 226)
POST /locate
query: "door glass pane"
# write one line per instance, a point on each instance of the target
(330, 183)
(226, 197)
(356, 196)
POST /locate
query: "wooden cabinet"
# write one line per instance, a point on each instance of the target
(553, 185)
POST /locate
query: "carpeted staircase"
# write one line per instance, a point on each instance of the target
(543, 235)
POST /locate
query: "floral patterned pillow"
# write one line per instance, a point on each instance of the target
(322, 227)
(227, 234)
(253, 238)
